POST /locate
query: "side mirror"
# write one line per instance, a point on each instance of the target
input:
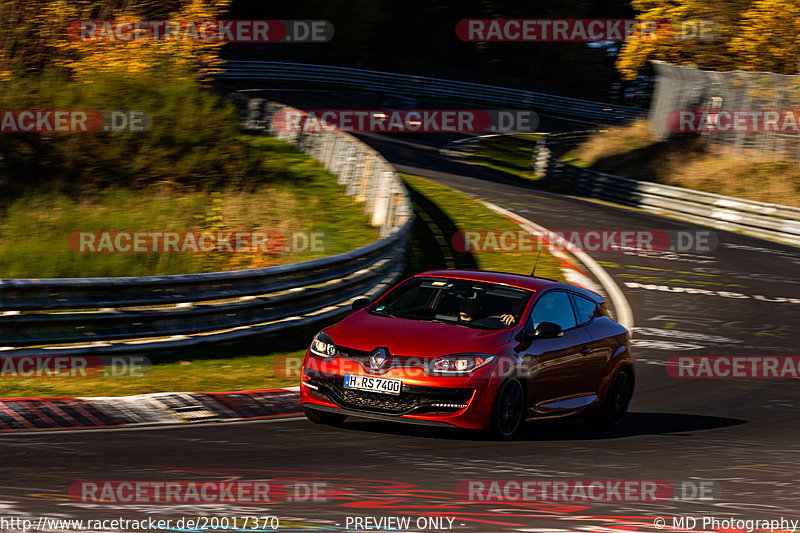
(360, 303)
(547, 330)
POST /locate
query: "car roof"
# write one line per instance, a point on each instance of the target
(514, 280)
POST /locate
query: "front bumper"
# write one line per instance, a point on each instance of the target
(384, 418)
(463, 402)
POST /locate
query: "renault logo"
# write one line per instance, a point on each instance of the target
(378, 358)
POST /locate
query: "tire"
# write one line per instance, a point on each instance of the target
(616, 403)
(508, 414)
(324, 417)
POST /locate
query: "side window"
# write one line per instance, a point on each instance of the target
(585, 309)
(553, 306)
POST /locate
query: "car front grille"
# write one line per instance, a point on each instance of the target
(394, 361)
(412, 398)
(386, 403)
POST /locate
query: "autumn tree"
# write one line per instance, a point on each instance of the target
(710, 53)
(34, 38)
(769, 37)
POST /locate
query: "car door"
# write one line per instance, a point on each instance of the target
(600, 347)
(556, 365)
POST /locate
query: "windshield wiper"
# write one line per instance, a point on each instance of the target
(384, 313)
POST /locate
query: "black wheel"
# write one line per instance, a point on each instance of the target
(616, 404)
(324, 417)
(509, 410)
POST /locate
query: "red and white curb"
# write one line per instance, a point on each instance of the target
(572, 271)
(163, 408)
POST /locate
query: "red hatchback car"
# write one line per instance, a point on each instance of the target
(475, 350)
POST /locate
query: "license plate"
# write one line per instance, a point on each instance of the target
(372, 384)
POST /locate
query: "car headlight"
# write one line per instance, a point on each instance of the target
(322, 345)
(458, 365)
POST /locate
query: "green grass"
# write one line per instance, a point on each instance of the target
(262, 363)
(247, 364)
(441, 211)
(299, 196)
(199, 375)
(510, 154)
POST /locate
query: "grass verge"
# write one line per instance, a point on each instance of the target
(201, 375)
(511, 155)
(629, 151)
(274, 362)
(441, 212)
(300, 197)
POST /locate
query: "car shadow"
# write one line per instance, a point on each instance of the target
(572, 429)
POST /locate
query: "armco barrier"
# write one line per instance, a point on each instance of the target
(372, 80)
(770, 221)
(132, 314)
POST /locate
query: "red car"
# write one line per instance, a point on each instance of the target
(476, 350)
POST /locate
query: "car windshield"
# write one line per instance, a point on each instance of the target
(472, 304)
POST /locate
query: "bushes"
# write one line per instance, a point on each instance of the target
(192, 140)
(193, 166)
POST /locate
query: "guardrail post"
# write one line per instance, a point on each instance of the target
(352, 169)
(541, 157)
(331, 152)
(380, 208)
(343, 156)
(362, 185)
(255, 114)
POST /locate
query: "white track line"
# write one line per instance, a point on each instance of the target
(621, 305)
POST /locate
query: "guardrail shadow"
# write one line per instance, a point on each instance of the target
(430, 244)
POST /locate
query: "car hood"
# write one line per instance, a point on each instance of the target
(363, 331)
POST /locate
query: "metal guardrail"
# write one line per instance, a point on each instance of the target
(132, 314)
(770, 221)
(405, 84)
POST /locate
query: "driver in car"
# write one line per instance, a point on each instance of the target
(469, 308)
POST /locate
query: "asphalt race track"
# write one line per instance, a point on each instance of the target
(741, 434)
